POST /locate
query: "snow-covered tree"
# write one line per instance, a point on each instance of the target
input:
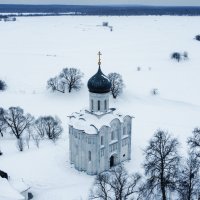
(189, 178)
(55, 84)
(117, 84)
(161, 166)
(194, 141)
(71, 77)
(116, 184)
(36, 139)
(48, 126)
(16, 121)
(20, 144)
(3, 125)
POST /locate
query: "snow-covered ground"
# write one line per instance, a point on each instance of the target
(34, 49)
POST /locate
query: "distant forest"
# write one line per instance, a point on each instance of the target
(98, 10)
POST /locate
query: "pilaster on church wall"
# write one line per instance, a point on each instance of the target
(104, 160)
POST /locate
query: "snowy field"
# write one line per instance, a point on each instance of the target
(34, 49)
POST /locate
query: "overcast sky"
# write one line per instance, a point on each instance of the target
(107, 2)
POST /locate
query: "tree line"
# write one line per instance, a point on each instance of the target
(167, 175)
(24, 126)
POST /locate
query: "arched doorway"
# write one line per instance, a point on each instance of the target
(112, 161)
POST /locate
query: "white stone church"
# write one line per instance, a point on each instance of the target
(100, 137)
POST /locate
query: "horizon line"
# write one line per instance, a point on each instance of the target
(106, 5)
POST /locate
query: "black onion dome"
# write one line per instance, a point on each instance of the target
(99, 83)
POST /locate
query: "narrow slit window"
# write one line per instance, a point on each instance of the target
(105, 105)
(89, 156)
(92, 104)
(98, 105)
(112, 135)
(101, 140)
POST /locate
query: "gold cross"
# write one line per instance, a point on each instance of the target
(99, 54)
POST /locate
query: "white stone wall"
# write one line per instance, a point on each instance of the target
(80, 144)
(118, 146)
(102, 98)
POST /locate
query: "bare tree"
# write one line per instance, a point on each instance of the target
(194, 141)
(123, 184)
(40, 127)
(117, 84)
(161, 165)
(36, 139)
(3, 125)
(115, 184)
(48, 126)
(28, 136)
(101, 189)
(20, 144)
(55, 84)
(71, 77)
(16, 120)
(189, 179)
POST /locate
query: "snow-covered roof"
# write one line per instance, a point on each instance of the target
(19, 185)
(7, 192)
(92, 122)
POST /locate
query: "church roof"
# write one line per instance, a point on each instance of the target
(99, 83)
(90, 123)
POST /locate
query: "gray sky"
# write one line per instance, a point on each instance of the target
(107, 2)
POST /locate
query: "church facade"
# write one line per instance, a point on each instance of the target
(100, 137)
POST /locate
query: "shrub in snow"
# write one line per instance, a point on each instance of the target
(154, 91)
(2, 85)
(16, 121)
(105, 24)
(30, 196)
(161, 166)
(138, 68)
(176, 56)
(117, 84)
(115, 184)
(20, 144)
(185, 55)
(48, 126)
(1, 153)
(197, 37)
